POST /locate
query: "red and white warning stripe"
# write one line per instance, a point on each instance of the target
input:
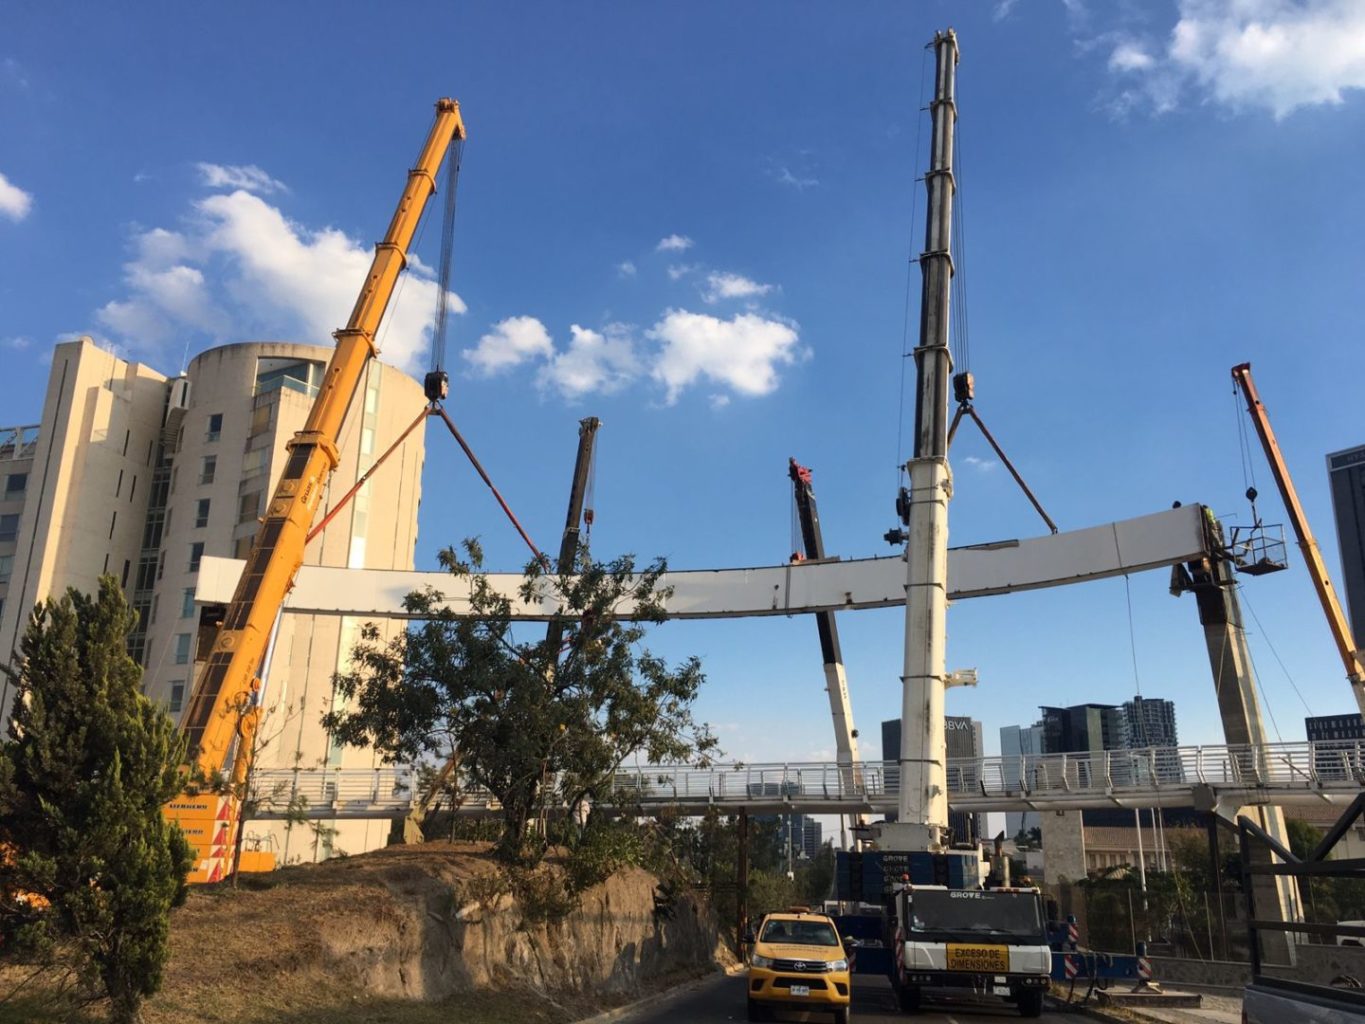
(1144, 969)
(1070, 965)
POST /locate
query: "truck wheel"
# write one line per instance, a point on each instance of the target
(909, 998)
(1030, 1002)
(841, 1015)
(757, 1011)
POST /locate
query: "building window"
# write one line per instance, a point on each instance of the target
(254, 461)
(6, 567)
(249, 507)
(182, 648)
(196, 555)
(215, 430)
(187, 603)
(177, 696)
(209, 469)
(242, 547)
(16, 484)
(156, 601)
(260, 418)
(201, 515)
(9, 527)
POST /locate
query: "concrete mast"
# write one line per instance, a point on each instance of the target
(923, 805)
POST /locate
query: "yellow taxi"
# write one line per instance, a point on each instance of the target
(798, 962)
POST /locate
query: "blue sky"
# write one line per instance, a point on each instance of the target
(694, 221)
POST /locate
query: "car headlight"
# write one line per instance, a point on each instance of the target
(760, 961)
(837, 965)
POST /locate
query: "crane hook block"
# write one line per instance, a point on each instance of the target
(436, 386)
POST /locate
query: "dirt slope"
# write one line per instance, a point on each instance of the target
(397, 928)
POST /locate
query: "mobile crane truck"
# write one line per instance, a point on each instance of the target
(224, 710)
(930, 920)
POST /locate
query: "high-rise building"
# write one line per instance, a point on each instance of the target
(141, 475)
(1150, 722)
(1326, 728)
(1346, 476)
(1016, 742)
(1082, 727)
(964, 747)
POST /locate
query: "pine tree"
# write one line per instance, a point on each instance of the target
(83, 779)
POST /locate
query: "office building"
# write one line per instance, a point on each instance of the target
(1150, 722)
(964, 767)
(1326, 728)
(1083, 727)
(140, 475)
(964, 773)
(1346, 477)
(1018, 742)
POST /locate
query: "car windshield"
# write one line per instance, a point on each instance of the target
(800, 933)
(994, 913)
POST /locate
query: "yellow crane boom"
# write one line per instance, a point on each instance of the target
(222, 707)
(1312, 554)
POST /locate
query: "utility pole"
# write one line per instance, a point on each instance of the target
(923, 804)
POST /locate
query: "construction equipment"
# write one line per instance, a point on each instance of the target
(836, 683)
(224, 709)
(1350, 654)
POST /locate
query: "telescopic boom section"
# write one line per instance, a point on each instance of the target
(836, 682)
(1312, 554)
(222, 708)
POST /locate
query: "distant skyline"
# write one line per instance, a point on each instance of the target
(694, 222)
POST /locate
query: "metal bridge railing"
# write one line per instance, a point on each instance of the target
(1280, 768)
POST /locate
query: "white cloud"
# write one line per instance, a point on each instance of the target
(723, 285)
(1002, 9)
(681, 270)
(982, 465)
(18, 343)
(742, 353)
(1129, 56)
(674, 243)
(786, 177)
(240, 268)
(14, 201)
(594, 362)
(510, 343)
(1276, 55)
(248, 177)
(625, 269)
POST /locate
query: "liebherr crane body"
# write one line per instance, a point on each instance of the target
(1312, 555)
(223, 709)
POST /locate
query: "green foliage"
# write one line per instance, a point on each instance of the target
(82, 783)
(534, 726)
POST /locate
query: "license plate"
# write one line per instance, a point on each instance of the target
(800, 990)
(978, 959)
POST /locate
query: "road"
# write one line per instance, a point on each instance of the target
(723, 1000)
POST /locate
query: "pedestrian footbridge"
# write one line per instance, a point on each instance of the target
(1221, 778)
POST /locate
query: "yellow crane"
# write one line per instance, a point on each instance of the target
(1312, 556)
(223, 709)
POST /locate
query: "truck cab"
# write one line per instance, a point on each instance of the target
(990, 941)
(798, 962)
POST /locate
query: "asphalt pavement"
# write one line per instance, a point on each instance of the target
(723, 1000)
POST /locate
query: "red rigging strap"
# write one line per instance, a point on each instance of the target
(345, 498)
(474, 461)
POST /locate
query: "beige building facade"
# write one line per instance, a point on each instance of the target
(141, 475)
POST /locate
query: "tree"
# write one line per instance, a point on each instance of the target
(83, 779)
(534, 726)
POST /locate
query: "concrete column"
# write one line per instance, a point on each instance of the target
(1063, 846)
(1214, 585)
